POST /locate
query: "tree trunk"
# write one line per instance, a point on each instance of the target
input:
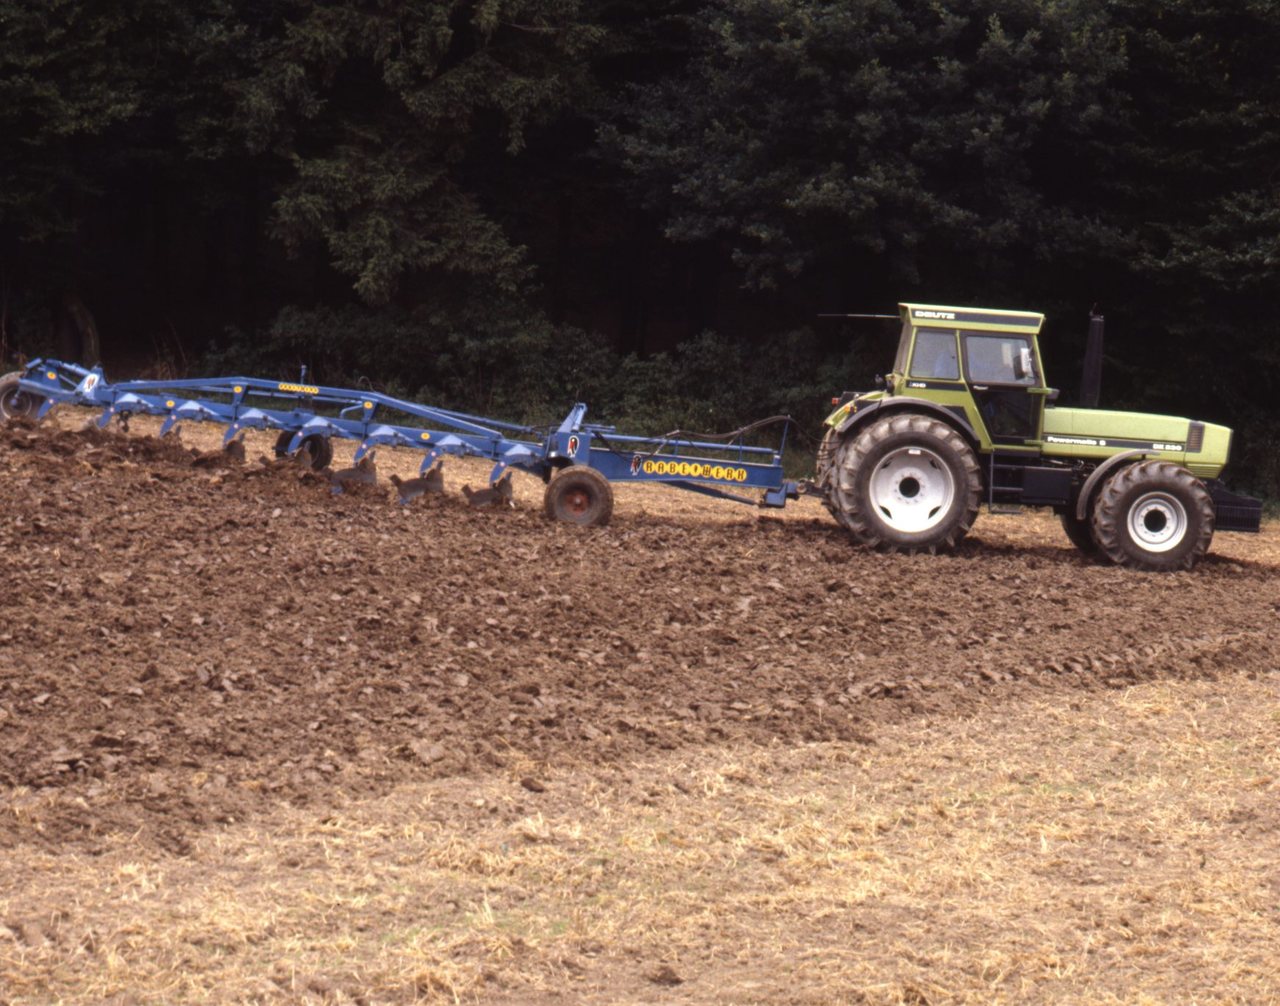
(76, 332)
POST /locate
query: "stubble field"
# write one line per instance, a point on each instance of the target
(263, 743)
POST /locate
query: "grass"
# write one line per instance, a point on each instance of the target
(1107, 849)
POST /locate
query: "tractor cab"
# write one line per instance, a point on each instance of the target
(984, 364)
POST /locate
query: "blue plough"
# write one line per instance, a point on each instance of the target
(577, 460)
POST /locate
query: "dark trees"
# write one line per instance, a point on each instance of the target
(429, 193)
(878, 137)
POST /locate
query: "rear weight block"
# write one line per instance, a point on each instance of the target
(579, 495)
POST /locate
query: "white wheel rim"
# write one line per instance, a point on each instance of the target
(912, 489)
(1157, 522)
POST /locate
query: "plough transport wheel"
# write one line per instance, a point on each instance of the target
(15, 403)
(579, 495)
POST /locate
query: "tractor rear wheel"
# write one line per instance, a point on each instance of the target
(16, 403)
(824, 476)
(907, 483)
(1153, 515)
(579, 495)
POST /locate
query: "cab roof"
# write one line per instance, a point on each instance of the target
(975, 319)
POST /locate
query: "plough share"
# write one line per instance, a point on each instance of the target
(577, 460)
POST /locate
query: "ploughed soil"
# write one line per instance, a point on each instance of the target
(186, 640)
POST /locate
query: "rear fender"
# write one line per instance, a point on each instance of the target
(890, 406)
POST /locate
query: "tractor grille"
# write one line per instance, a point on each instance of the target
(1195, 438)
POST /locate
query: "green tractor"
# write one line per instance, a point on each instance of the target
(966, 418)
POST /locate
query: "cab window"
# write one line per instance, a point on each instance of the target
(900, 361)
(935, 356)
(999, 359)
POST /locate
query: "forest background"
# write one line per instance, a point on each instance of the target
(512, 205)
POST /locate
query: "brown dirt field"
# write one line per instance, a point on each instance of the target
(259, 742)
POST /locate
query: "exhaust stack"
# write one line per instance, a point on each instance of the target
(1091, 378)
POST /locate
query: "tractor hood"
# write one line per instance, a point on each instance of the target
(1202, 447)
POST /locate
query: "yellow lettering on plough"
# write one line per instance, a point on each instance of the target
(695, 470)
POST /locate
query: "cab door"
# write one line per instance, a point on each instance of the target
(1003, 376)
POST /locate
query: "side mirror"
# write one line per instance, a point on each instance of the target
(1024, 367)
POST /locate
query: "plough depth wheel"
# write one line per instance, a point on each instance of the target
(317, 447)
(16, 403)
(579, 495)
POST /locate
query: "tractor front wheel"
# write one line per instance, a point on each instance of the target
(1079, 532)
(1153, 515)
(579, 495)
(906, 483)
(16, 403)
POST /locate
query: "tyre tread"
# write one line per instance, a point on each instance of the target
(1109, 518)
(852, 511)
(1079, 532)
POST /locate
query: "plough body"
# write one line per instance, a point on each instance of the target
(308, 417)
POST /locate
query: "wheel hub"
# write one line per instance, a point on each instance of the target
(577, 502)
(1157, 521)
(912, 489)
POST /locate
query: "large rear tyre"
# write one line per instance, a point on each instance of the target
(824, 472)
(907, 483)
(1079, 532)
(1153, 515)
(579, 495)
(16, 403)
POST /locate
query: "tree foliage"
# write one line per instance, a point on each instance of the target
(382, 109)
(496, 201)
(814, 129)
(50, 107)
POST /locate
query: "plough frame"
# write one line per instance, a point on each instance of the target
(316, 414)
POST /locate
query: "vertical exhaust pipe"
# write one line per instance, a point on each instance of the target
(1091, 378)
